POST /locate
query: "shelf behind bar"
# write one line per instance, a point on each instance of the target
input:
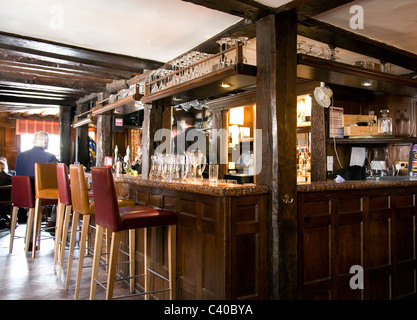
(338, 73)
(359, 141)
(117, 104)
(237, 76)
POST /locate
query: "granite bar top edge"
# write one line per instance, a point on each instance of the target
(223, 191)
(354, 185)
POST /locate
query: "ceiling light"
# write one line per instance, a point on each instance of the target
(225, 85)
(366, 83)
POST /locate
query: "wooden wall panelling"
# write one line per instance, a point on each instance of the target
(221, 244)
(372, 228)
(9, 141)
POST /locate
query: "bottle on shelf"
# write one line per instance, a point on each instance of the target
(385, 123)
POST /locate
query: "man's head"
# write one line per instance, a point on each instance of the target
(41, 139)
(187, 120)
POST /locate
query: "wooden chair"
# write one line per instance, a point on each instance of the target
(109, 215)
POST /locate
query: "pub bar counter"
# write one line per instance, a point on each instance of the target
(221, 236)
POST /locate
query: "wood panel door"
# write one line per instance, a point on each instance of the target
(9, 141)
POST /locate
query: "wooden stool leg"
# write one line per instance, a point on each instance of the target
(108, 243)
(83, 241)
(58, 232)
(75, 217)
(114, 253)
(146, 261)
(132, 260)
(96, 260)
(29, 225)
(63, 242)
(172, 260)
(13, 227)
(36, 226)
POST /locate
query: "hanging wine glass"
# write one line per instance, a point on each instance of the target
(244, 41)
(301, 47)
(333, 53)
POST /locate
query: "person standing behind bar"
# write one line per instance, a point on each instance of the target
(25, 163)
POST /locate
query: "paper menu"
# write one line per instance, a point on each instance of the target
(335, 122)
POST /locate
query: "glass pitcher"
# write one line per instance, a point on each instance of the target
(385, 123)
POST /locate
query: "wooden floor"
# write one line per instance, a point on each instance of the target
(24, 278)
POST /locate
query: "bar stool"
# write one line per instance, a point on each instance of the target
(110, 216)
(6, 198)
(63, 216)
(22, 191)
(22, 196)
(46, 187)
(83, 205)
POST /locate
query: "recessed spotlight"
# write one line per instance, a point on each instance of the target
(367, 83)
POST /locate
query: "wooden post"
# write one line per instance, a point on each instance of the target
(65, 133)
(276, 116)
(104, 138)
(82, 152)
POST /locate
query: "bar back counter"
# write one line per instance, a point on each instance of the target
(367, 225)
(221, 237)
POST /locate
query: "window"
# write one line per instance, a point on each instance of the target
(26, 143)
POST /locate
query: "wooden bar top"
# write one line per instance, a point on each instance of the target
(222, 189)
(355, 185)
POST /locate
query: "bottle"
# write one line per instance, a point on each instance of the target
(412, 162)
(385, 123)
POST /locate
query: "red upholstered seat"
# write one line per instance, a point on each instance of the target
(22, 192)
(110, 216)
(63, 215)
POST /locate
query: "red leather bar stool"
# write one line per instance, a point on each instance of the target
(63, 216)
(82, 204)
(22, 191)
(46, 188)
(109, 215)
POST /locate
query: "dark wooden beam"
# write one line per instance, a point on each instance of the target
(76, 54)
(345, 39)
(87, 86)
(307, 9)
(243, 28)
(247, 9)
(25, 68)
(35, 100)
(64, 65)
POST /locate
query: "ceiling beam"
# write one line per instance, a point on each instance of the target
(247, 9)
(75, 54)
(36, 101)
(327, 33)
(255, 11)
(306, 9)
(30, 79)
(65, 65)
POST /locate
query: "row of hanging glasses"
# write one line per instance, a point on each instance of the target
(324, 52)
(175, 167)
(196, 64)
